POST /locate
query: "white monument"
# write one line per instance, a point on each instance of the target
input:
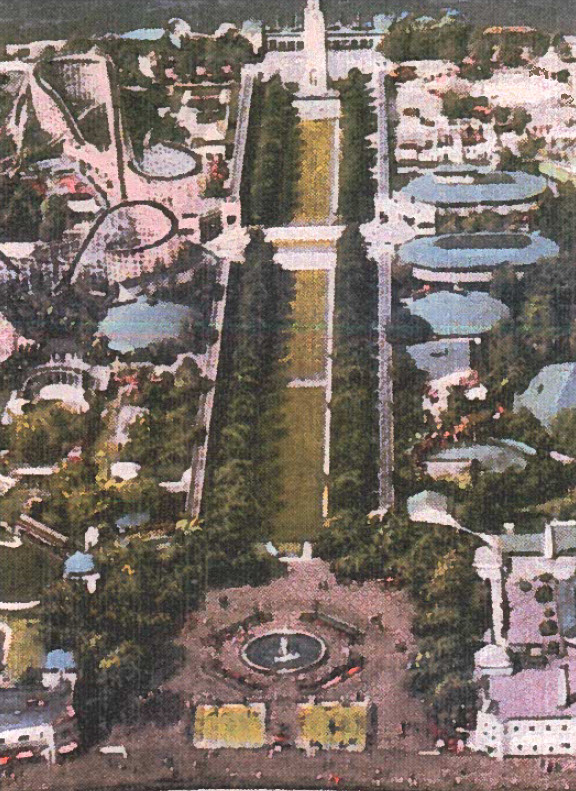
(315, 81)
(314, 100)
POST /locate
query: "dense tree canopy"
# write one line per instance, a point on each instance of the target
(272, 165)
(412, 38)
(121, 635)
(241, 496)
(354, 425)
(358, 157)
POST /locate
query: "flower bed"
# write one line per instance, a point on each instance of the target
(232, 725)
(333, 726)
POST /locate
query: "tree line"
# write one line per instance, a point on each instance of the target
(241, 492)
(272, 162)
(347, 540)
(358, 156)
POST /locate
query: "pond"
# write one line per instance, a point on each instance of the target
(138, 324)
(284, 652)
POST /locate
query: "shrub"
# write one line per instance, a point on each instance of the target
(544, 594)
(548, 628)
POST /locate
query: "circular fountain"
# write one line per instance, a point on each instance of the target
(283, 652)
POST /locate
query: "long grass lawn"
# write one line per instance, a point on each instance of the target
(301, 456)
(315, 183)
(307, 344)
(333, 725)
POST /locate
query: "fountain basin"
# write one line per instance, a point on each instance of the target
(283, 652)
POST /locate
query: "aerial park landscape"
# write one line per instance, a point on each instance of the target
(287, 404)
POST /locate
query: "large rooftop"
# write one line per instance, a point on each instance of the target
(493, 456)
(476, 252)
(552, 390)
(16, 712)
(441, 358)
(532, 693)
(466, 186)
(459, 315)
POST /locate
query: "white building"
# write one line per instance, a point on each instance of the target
(527, 671)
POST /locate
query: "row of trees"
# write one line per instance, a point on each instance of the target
(452, 614)
(242, 496)
(358, 157)
(271, 168)
(355, 548)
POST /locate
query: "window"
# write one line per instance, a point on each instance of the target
(566, 745)
(516, 728)
(548, 727)
(520, 747)
(535, 747)
(550, 749)
(564, 728)
(24, 738)
(532, 728)
(2, 741)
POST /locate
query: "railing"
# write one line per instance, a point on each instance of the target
(40, 531)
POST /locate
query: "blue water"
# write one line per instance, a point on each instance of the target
(139, 324)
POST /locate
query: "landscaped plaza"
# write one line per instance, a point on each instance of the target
(347, 692)
(194, 725)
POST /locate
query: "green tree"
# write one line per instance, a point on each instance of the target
(274, 155)
(354, 426)
(121, 635)
(358, 122)
(23, 216)
(242, 496)
(54, 218)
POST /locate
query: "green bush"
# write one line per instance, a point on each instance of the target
(544, 594)
(548, 628)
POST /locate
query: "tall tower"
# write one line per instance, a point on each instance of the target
(315, 80)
